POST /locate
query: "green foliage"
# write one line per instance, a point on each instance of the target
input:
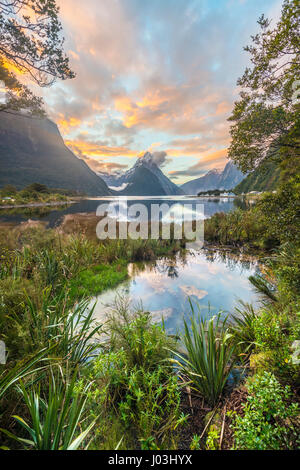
(19, 371)
(264, 178)
(211, 192)
(213, 438)
(196, 442)
(135, 386)
(238, 228)
(18, 95)
(273, 220)
(37, 187)
(209, 356)
(31, 42)
(242, 329)
(281, 210)
(286, 265)
(55, 418)
(269, 421)
(34, 193)
(131, 390)
(8, 190)
(69, 330)
(152, 405)
(266, 118)
(34, 45)
(263, 287)
(275, 330)
(144, 343)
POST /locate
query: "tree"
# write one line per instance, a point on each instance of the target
(8, 190)
(17, 96)
(30, 44)
(266, 118)
(37, 187)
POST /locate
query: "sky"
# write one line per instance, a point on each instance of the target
(156, 75)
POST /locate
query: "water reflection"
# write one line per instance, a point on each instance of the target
(210, 280)
(54, 215)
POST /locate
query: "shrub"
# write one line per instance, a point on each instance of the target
(269, 421)
(144, 343)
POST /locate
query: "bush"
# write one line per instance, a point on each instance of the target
(269, 422)
(144, 343)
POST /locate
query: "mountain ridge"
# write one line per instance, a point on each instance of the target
(225, 179)
(33, 150)
(264, 178)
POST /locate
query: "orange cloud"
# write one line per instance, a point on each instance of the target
(223, 108)
(65, 124)
(84, 148)
(207, 161)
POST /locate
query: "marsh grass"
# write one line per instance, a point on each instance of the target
(243, 330)
(71, 331)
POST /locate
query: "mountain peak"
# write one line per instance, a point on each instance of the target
(144, 178)
(214, 171)
(225, 179)
(146, 159)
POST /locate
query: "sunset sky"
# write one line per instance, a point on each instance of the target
(156, 75)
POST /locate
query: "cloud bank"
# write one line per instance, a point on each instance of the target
(152, 74)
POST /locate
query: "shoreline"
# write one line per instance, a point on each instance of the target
(38, 204)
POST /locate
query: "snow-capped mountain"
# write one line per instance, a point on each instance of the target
(215, 179)
(144, 178)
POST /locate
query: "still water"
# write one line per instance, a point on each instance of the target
(53, 216)
(212, 281)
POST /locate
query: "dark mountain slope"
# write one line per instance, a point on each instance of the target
(264, 178)
(32, 150)
(142, 182)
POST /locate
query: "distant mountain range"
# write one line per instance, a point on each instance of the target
(32, 150)
(145, 178)
(215, 179)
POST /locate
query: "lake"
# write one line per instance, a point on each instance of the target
(53, 216)
(212, 281)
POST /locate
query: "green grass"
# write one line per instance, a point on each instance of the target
(95, 280)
